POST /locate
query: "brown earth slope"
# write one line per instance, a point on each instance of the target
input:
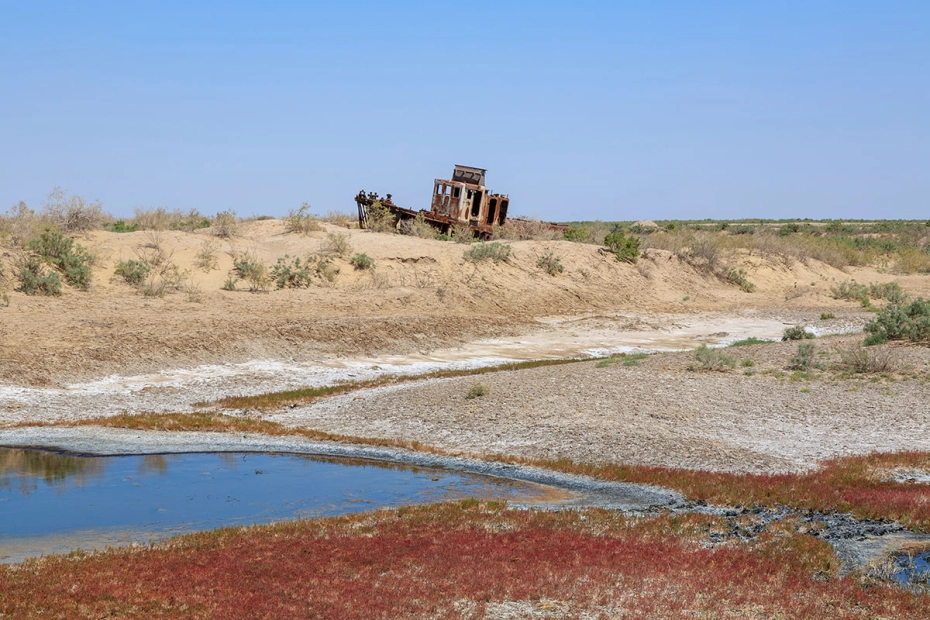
(421, 295)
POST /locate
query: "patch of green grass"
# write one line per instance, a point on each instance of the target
(745, 342)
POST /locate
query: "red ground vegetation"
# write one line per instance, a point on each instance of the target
(457, 560)
(860, 485)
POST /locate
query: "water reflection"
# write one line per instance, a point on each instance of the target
(87, 501)
(22, 469)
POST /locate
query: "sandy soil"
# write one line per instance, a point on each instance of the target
(110, 350)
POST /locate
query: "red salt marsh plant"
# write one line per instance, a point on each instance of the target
(467, 559)
(860, 485)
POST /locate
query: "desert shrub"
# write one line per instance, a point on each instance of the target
(804, 359)
(133, 272)
(362, 261)
(625, 247)
(230, 283)
(151, 219)
(745, 342)
(417, 227)
(826, 316)
(713, 359)
(120, 226)
(739, 278)
(796, 332)
(550, 263)
(901, 322)
(889, 291)
(301, 220)
(73, 214)
(461, 233)
(861, 359)
(336, 244)
(476, 390)
(291, 273)
(576, 234)
(525, 229)
(20, 224)
(72, 260)
(225, 224)
(326, 270)
(246, 266)
(380, 218)
(494, 251)
(34, 279)
(206, 255)
(346, 220)
(912, 260)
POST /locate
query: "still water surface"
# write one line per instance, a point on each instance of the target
(51, 502)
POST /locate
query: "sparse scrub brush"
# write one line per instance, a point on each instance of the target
(380, 218)
(713, 359)
(34, 279)
(460, 233)
(804, 359)
(418, 227)
(861, 359)
(73, 214)
(550, 263)
(225, 224)
(796, 332)
(72, 260)
(133, 272)
(206, 255)
(246, 266)
(739, 278)
(901, 322)
(494, 251)
(301, 221)
(362, 261)
(624, 247)
(291, 273)
(336, 244)
(476, 390)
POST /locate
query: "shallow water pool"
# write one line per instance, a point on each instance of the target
(53, 503)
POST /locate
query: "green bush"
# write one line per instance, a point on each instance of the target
(550, 263)
(826, 316)
(901, 322)
(626, 248)
(291, 273)
(337, 244)
(476, 390)
(247, 267)
(804, 358)
(738, 277)
(494, 251)
(34, 280)
(796, 332)
(850, 290)
(72, 260)
(301, 221)
(133, 272)
(120, 226)
(362, 261)
(713, 359)
(890, 291)
(747, 342)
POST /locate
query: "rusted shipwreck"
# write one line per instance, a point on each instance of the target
(462, 200)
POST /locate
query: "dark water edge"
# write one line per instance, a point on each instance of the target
(54, 502)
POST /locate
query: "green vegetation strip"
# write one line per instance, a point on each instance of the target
(303, 396)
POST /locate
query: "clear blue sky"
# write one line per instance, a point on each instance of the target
(581, 110)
